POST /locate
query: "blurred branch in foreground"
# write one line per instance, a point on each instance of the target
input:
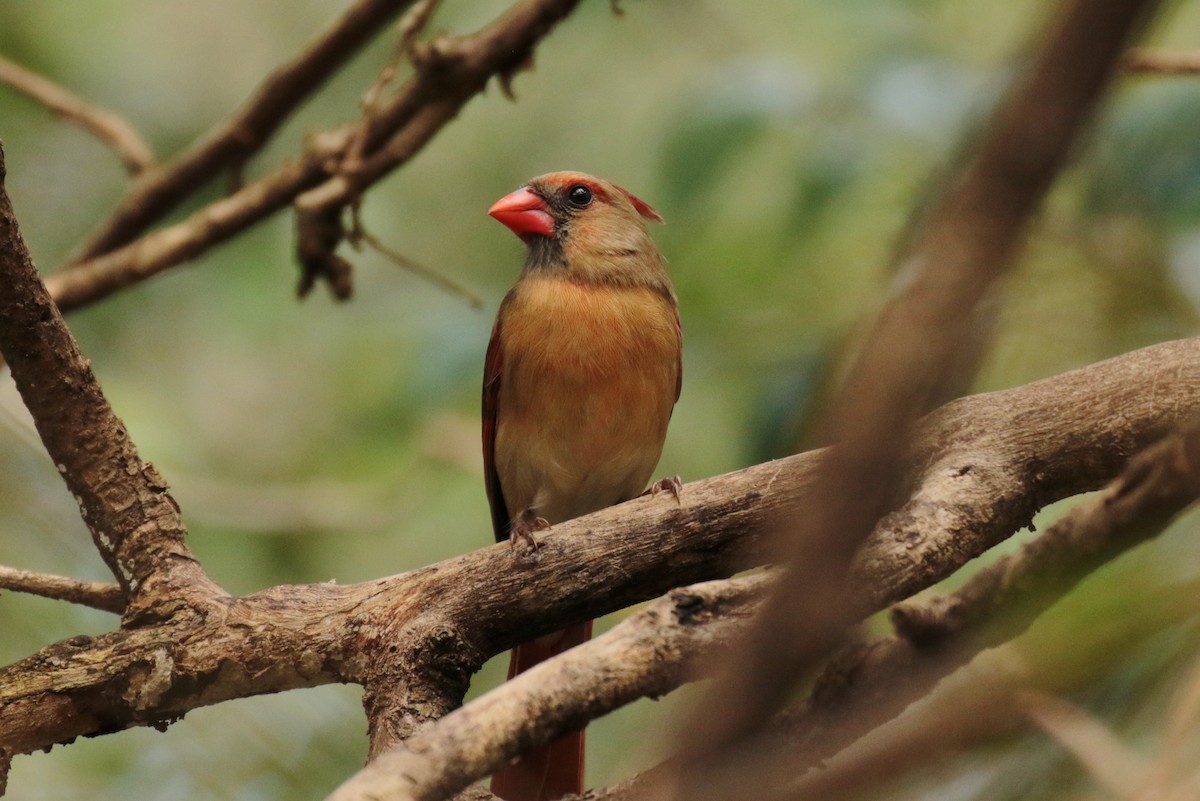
(921, 346)
(1164, 62)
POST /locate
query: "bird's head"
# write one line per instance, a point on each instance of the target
(586, 226)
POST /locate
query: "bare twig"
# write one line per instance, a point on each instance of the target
(449, 71)
(429, 100)
(135, 523)
(432, 276)
(98, 595)
(1075, 428)
(106, 126)
(913, 355)
(1163, 62)
(410, 25)
(233, 142)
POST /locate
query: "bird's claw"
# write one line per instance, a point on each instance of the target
(673, 485)
(524, 528)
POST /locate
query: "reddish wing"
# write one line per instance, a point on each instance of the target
(493, 368)
(678, 357)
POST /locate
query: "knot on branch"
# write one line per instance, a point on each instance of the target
(423, 674)
(319, 232)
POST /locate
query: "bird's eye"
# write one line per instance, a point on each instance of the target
(579, 196)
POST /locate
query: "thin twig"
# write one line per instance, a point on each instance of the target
(96, 594)
(108, 127)
(372, 102)
(234, 141)
(432, 276)
(430, 100)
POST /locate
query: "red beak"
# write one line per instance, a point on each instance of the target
(524, 213)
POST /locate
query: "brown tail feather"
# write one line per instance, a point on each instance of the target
(556, 769)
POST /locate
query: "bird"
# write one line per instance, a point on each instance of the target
(582, 373)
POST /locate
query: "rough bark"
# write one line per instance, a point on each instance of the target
(133, 519)
(295, 636)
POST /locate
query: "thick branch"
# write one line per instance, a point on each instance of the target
(233, 142)
(983, 477)
(106, 126)
(483, 603)
(133, 519)
(488, 600)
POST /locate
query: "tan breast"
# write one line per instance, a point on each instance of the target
(589, 383)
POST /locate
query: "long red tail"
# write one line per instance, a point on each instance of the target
(556, 769)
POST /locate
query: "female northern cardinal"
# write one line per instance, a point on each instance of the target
(582, 372)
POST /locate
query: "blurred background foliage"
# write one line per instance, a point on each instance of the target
(787, 144)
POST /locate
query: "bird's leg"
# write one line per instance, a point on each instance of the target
(671, 484)
(524, 527)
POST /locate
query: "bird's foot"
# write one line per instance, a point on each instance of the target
(673, 485)
(523, 529)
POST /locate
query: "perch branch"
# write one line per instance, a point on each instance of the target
(920, 348)
(105, 597)
(106, 126)
(1068, 427)
(233, 142)
(133, 519)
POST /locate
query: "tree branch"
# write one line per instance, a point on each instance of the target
(431, 98)
(233, 142)
(106, 126)
(977, 491)
(868, 685)
(134, 521)
(646, 655)
(484, 602)
(920, 348)
(873, 683)
(105, 597)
